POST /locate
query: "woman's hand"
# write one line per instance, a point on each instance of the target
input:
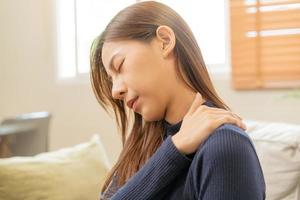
(199, 122)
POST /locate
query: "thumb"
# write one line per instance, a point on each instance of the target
(195, 104)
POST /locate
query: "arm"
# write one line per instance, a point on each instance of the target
(159, 171)
(231, 169)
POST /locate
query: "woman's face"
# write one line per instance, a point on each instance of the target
(141, 70)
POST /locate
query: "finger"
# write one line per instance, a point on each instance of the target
(234, 114)
(195, 104)
(231, 113)
(203, 110)
(221, 111)
(231, 120)
(239, 119)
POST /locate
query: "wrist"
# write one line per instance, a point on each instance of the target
(179, 143)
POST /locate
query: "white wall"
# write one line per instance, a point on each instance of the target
(27, 73)
(27, 83)
(268, 105)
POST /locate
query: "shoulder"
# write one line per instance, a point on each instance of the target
(228, 142)
(228, 158)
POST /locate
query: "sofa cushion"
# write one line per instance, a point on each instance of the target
(67, 174)
(278, 149)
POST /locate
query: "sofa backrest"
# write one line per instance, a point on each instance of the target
(278, 148)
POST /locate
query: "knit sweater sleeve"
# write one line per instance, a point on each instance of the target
(231, 169)
(159, 171)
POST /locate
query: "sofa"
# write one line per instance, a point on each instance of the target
(78, 172)
(278, 148)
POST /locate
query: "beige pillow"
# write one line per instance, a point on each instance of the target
(67, 174)
(278, 149)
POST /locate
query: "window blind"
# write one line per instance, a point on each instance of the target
(265, 43)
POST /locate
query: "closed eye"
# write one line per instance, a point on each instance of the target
(119, 69)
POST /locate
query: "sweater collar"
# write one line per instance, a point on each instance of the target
(171, 129)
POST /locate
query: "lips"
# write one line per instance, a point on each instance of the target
(131, 102)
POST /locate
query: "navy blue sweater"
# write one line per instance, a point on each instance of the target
(225, 167)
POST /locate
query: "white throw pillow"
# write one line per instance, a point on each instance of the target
(67, 174)
(278, 149)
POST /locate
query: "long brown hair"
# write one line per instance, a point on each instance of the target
(139, 22)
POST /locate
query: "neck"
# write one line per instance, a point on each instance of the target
(179, 106)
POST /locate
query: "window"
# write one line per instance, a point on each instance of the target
(79, 22)
(265, 43)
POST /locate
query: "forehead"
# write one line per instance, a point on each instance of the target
(109, 49)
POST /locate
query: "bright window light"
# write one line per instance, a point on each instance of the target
(66, 41)
(206, 19)
(81, 21)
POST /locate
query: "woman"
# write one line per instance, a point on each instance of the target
(184, 142)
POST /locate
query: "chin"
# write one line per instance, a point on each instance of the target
(151, 116)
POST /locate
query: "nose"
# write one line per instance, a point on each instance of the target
(118, 89)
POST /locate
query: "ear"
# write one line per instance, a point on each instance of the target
(166, 37)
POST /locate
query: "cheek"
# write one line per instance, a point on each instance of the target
(145, 82)
(153, 79)
(148, 81)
